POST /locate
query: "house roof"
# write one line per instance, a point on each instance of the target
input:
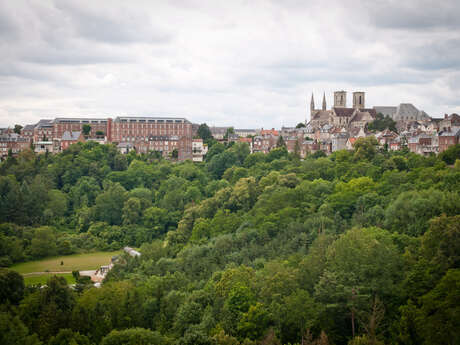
(71, 136)
(454, 131)
(28, 127)
(44, 123)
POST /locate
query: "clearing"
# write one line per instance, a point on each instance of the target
(43, 278)
(75, 262)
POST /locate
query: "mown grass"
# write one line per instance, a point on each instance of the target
(75, 262)
(42, 278)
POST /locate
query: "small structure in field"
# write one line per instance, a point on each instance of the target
(132, 252)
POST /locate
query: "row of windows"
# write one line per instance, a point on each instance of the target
(128, 125)
(146, 139)
(150, 120)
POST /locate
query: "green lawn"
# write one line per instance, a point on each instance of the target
(42, 278)
(76, 262)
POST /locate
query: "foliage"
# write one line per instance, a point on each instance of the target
(381, 123)
(204, 132)
(360, 246)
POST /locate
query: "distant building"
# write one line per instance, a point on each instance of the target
(131, 252)
(448, 138)
(340, 115)
(199, 150)
(218, 132)
(244, 133)
(403, 112)
(46, 146)
(69, 138)
(12, 142)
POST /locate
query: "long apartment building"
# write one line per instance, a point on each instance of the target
(164, 134)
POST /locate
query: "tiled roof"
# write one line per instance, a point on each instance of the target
(346, 112)
(74, 135)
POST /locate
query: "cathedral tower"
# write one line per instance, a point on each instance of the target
(358, 100)
(324, 101)
(340, 99)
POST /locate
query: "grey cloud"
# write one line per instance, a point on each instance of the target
(436, 55)
(111, 25)
(235, 62)
(414, 14)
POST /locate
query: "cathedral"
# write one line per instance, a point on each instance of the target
(339, 115)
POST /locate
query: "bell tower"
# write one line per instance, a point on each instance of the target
(340, 99)
(358, 100)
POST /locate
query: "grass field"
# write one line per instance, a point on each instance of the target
(76, 262)
(42, 278)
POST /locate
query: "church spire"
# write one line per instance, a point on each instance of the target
(312, 103)
(324, 101)
(312, 106)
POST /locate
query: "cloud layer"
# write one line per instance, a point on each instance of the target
(242, 63)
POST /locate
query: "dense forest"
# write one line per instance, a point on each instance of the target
(360, 247)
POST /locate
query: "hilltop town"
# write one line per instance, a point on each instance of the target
(328, 130)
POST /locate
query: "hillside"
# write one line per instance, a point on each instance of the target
(358, 247)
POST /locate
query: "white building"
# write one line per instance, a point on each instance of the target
(199, 149)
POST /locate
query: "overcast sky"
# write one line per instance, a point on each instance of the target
(242, 63)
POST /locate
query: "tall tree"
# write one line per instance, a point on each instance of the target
(204, 132)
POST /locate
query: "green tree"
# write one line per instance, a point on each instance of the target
(365, 148)
(109, 205)
(132, 211)
(280, 142)
(134, 336)
(451, 154)
(438, 318)
(204, 132)
(17, 129)
(11, 286)
(43, 242)
(361, 263)
(67, 337)
(57, 204)
(48, 310)
(86, 129)
(157, 219)
(14, 332)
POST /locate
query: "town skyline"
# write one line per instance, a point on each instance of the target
(307, 115)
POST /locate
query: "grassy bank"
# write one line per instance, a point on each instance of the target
(42, 278)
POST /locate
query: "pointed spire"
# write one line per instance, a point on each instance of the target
(312, 102)
(324, 101)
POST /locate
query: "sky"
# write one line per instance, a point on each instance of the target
(247, 64)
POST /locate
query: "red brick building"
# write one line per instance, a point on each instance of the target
(99, 126)
(154, 133)
(448, 138)
(13, 142)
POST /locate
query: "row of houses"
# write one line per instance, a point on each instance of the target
(423, 137)
(338, 130)
(172, 137)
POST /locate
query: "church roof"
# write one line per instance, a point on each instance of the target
(322, 115)
(346, 112)
(371, 111)
(390, 111)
